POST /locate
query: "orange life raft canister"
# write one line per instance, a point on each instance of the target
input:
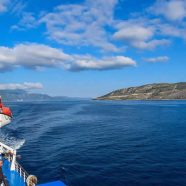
(6, 111)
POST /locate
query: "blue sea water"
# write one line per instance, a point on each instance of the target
(101, 143)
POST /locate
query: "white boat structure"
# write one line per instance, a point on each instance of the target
(13, 174)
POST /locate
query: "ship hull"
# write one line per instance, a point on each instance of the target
(4, 120)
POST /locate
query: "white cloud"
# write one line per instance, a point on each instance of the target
(31, 56)
(82, 25)
(21, 86)
(157, 59)
(36, 56)
(92, 23)
(150, 45)
(3, 5)
(138, 35)
(134, 32)
(173, 10)
(85, 25)
(28, 21)
(172, 30)
(90, 63)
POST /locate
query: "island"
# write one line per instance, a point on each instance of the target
(156, 91)
(22, 95)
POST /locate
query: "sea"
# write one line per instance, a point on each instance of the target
(101, 143)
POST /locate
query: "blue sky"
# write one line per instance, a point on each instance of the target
(86, 48)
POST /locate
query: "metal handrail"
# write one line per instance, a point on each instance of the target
(21, 171)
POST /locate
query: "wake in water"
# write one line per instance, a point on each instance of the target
(9, 138)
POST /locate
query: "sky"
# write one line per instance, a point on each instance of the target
(87, 48)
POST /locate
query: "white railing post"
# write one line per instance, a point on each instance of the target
(24, 177)
(13, 160)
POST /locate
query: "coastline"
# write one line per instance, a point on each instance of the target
(138, 99)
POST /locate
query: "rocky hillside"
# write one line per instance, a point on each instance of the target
(160, 91)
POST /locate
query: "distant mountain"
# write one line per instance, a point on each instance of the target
(160, 91)
(21, 95)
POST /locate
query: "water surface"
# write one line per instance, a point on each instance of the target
(101, 143)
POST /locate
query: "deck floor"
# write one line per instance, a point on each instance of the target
(13, 177)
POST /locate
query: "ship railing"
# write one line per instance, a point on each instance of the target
(11, 154)
(14, 165)
(21, 171)
(11, 157)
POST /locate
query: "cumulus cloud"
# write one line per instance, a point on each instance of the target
(138, 35)
(92, 23)
(31, 56)
(83, 24)
(157, 59)
(88, 62)
(21, 86)
(134, 32)
(173, 10)
(87, 24)
(36, 56)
